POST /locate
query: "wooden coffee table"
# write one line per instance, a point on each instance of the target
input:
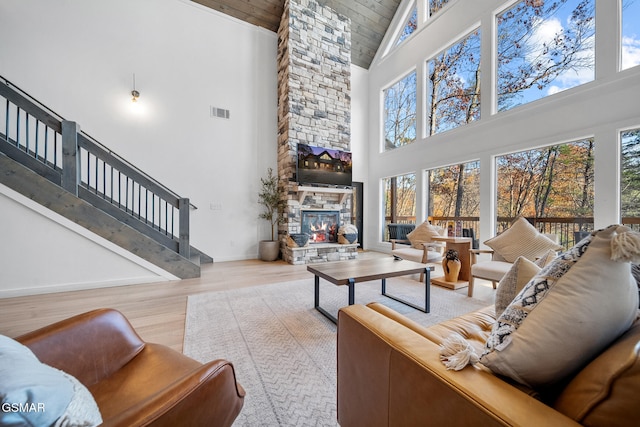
(351, 272)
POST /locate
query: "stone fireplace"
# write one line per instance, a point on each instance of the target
(320, 205)
(321, 226)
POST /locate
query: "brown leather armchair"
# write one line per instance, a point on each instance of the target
(136, 383)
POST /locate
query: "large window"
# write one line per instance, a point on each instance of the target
(436, 5)
(400, 113)
(454, 85)
(630, 178)
(399, 201)
(544, 47)
(630, 33)
(552, 185)
(454, 194)
(412, 21)
(410, 26)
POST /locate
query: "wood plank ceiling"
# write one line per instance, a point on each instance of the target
(369, 19)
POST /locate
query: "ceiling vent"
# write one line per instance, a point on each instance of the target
(220, 113)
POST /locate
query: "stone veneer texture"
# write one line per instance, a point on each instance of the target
(314, 103)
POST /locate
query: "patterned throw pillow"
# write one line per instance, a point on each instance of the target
(522, 239)
(423, 234)
(569, 312)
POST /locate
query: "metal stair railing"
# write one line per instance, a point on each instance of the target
(55, 148)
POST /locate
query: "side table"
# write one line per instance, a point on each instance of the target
(462, 246)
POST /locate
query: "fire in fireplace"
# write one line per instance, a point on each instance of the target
(321, 226)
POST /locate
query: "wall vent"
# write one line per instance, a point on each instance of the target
(220, 113)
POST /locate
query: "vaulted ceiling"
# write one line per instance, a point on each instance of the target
(369, 19)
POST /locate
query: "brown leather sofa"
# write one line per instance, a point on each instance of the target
(390, 374)
(136, 383)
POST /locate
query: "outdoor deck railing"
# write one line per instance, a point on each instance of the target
(569, 230)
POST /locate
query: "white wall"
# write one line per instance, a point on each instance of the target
(43, 252)
(599, 109)
(79, 57)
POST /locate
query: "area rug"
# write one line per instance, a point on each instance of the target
(284, 351)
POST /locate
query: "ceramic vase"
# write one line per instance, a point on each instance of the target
(451, 269)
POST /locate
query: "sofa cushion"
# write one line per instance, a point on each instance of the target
(606, 391)
(513, 281)
(415, 255)
(474, 327)
(490, 270)
(423, 234)
(521, 239)
(569, 312)
(38, 394)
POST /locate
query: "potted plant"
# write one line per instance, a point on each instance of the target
(271, 197)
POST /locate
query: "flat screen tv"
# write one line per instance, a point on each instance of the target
(323, 166)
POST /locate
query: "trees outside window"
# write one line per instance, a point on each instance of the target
(454, 192)
(412, 22)
(410, 26)
(436, 5)
(544, 47)
(629, 176)
(399, 201)
(630, 33)
(400, 113)
(453, 84)
(550, 182)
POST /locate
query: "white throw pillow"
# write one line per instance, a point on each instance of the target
(522, 239)
(83, 410)
(424, 233)
(546, 259)
(512, 283)
(569, 312)
(38, 394)
(348, 229)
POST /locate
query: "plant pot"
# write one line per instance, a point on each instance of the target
(268, 250)
(451, 269)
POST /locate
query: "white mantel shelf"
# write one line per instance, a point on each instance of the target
(304, 190)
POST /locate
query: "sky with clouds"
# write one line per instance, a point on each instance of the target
(630, 33)
(548, 29)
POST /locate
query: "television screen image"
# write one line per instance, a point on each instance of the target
(323, 166)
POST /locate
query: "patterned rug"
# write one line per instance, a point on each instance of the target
(284, 351)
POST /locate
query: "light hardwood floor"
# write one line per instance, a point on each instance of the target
(157, 310)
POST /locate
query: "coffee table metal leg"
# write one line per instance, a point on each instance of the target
(352, 291)
(427, 290)
(427, 293)
(316, 302)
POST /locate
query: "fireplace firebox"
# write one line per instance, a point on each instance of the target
(321, 226)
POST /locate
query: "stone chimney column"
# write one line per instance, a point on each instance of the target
(314, 84)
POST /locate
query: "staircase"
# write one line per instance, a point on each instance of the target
(49, 160)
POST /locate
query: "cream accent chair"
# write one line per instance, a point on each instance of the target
(494, 269)
(430, 252)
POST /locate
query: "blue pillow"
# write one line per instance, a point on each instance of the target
(32, 393)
